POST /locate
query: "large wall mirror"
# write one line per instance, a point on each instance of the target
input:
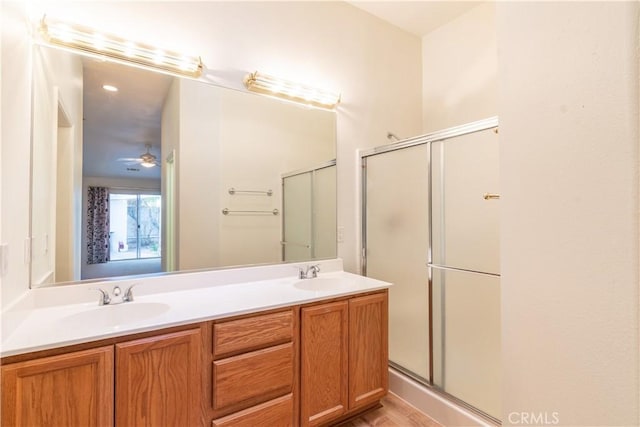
(136, 172)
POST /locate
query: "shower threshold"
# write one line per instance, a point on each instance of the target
(443, 407)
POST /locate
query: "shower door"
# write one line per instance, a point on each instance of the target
(296, 217)
(465, 269)
(430, 227)
(309, 214)
(397, 232)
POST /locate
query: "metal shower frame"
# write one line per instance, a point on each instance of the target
(427, 139)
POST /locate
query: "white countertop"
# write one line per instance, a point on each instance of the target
(43, 322)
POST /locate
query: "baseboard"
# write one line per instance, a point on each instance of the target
(434, 405)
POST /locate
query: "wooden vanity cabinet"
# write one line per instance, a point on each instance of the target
(344, 357)
(304, 365)
(72, 389)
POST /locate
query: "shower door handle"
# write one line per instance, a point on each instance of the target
(491, 196)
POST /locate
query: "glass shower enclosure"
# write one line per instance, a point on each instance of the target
(431, 227)
(309, 213)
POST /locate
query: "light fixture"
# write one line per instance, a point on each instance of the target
(110, 88)
(148, 160)
(89, 41)
(268, 85)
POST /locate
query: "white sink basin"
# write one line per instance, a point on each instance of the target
(115, 315)
(320, 284)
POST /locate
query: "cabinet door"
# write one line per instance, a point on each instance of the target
(368, 349)
(324, 362)
(158, 380)
(74, 389)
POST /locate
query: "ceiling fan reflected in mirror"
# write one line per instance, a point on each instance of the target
(147, 159)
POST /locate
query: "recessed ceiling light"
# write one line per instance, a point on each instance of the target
(110, 88)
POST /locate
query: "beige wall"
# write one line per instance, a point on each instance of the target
(569, 221)
(459, 69)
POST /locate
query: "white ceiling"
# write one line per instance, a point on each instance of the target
(119, 124)
(416, 17)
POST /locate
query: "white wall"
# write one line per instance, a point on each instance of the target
(56, 165)
(569, 175)
(198, 178)
(43, 160)
(69, 166)
(16, 131)
(2, 247)
(459, 70)
(170, 143)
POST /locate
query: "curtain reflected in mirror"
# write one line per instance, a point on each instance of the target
(167, 151)
(98, 225)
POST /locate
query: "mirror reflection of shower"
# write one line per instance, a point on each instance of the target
(309, 213)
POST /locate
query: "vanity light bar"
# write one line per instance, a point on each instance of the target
(268, 85)
(88, 40)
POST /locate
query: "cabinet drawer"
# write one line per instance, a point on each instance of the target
(277, 412)
(252, 333)
(251, 378)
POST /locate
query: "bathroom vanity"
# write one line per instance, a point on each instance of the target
(275, 352)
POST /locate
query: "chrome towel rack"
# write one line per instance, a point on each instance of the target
(227, 211)
(304, 245)
(268, 192)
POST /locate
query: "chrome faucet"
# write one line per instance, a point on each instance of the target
(128, 296)
(310, 272)
(106, 299)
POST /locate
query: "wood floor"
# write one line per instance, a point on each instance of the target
(394, 413)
